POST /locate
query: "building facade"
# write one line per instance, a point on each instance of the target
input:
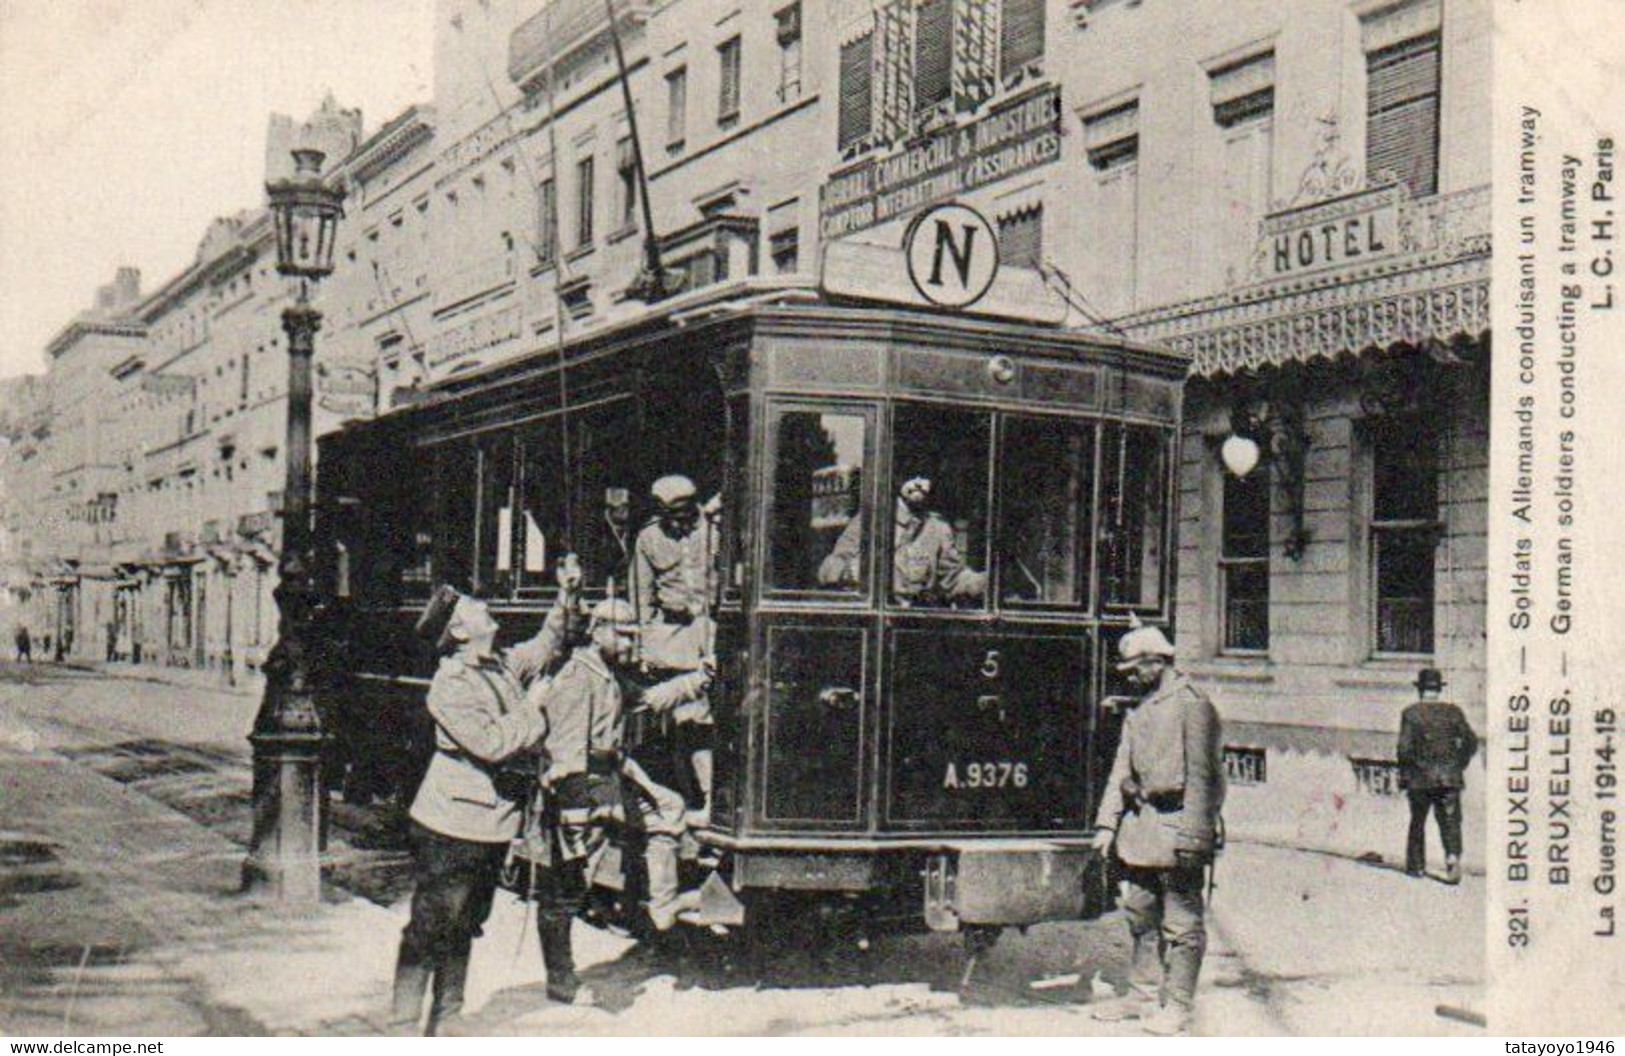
(1300, 203)
(1303, 205)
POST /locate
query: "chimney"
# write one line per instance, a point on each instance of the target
(127, 287)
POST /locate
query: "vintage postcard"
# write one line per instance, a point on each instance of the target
(810, 517)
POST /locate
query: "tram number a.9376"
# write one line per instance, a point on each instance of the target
(985, 775)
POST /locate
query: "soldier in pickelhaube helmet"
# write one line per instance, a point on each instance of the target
(1159, 812)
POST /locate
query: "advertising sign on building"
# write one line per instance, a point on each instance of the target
(1014, 137)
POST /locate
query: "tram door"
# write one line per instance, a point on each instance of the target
(819, 629)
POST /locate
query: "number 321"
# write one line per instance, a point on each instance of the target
(986, 775)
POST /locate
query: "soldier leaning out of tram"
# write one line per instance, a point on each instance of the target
(673, 568)
(928, 567)
(594, 783)
(464, 815)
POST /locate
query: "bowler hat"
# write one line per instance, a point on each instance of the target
(1430, 679)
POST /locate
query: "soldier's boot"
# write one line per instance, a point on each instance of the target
(1136, 1004)
(1452, 869)
(666, 903)
(450, 984)
(411, 986)
(1172, 1020)
(558, 957)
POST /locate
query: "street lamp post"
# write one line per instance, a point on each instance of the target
(284, 856)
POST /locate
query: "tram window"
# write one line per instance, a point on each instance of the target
(1135, 530)
(939, 472)
(540, 522)
(816, 532)
(456, 477)
(496, 517)
(1046, 507)
(610, 491)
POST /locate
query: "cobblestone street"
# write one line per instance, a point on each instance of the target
(124, 812)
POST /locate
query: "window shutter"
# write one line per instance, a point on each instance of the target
(728, 55)
(1021, 238)
(1112, 137)
(857, 105)
(933, 53)
(548, 244)
(1402, 113)
(1022, 37)
(1243, 90)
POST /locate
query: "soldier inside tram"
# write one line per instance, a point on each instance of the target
(934, 526)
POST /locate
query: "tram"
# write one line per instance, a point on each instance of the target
(924, 756)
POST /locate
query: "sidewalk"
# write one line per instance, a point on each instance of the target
(250, 685)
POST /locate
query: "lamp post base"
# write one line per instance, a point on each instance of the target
(285, 860)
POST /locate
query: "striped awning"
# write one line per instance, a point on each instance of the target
(1436, 292)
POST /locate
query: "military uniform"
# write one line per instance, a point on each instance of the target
(1435, 746)
(927, 567)
(592, 781)
(1163, 798)
(461, 824)
(673, 578)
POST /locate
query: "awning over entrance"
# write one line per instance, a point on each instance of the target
(1431, 286)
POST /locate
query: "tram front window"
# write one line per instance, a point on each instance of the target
(1134, 534)
(1045, 509)
(939, 470)
(816, 533)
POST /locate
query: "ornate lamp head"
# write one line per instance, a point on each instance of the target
(306, 211)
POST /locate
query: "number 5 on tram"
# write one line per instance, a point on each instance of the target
(933, 531)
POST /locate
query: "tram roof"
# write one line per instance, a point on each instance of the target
(795, 304)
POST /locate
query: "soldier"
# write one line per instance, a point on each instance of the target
(673, 568)
(1160, 812)
(461, 820)
(1435, 746)
(594, 783)
(928, 567)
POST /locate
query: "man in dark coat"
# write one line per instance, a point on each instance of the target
(1435, 746)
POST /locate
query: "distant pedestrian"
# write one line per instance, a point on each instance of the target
(1160, 813)
(1435, 746)
(25, 645)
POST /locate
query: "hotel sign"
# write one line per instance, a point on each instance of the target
(1014, 137)
(1350, 229)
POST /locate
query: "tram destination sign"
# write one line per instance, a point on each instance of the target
(1014, 137)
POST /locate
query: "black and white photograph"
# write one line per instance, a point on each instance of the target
(778, 517)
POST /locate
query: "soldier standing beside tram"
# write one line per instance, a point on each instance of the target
(1160, 811)
(464, 815)
(593, 784)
